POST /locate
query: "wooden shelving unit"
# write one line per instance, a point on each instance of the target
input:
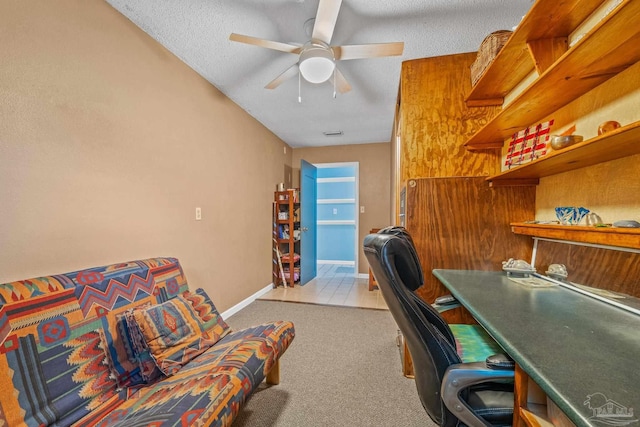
(619, 237)
(614, 145)
(546, 20)
(286, 245)
(541, 71)
(609, 48)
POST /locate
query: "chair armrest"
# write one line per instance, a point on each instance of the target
(445, 303)
(461, 376)
(500, 361)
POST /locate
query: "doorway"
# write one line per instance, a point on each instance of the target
(337, 217)
(308, 219)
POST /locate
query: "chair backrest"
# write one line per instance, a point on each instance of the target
(396, 269)
(417, 280)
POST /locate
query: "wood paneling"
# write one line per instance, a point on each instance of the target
(435, 121)
(613, 270)
(461, 223)
(456, 219)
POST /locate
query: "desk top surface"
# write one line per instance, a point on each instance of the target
(572, 345)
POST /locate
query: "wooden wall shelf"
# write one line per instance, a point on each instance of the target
(619, 237)
(609, 48)
(614, 145)
(546, 20)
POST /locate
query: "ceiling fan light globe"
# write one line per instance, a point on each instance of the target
(317, 65)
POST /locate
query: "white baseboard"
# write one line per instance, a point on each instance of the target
(245, 302)
(363, 276)
(323, 261)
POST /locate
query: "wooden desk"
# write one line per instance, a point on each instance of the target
(581, 352)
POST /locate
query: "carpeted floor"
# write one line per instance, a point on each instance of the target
(342, 369)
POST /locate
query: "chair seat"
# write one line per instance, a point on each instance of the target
(495, 406)
(473, 343)
(492, 401)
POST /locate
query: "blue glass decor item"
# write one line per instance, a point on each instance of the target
(569, 215)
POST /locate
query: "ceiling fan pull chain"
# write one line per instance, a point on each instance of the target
(299, 88)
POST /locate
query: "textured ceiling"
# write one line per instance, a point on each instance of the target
(197, 31)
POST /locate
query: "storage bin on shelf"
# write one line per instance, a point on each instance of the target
(286, 258)
(489, 48)
(296, 273)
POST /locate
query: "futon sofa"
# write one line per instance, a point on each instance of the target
(127, 345)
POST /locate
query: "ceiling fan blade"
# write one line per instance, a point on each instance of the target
(326, 18)
(374, 50)
(283, 47)
(287, 74)
(341, 83)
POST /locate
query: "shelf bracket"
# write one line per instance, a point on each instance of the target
(545, 52)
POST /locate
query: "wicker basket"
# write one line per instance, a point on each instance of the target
(489, 48)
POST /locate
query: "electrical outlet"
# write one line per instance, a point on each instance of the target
(198, 214)
(361, 209)
(335, 211)
(285, 149)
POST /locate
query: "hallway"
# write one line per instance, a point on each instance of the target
(333, 285)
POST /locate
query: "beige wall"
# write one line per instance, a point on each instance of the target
(375, 180)
(108, 143)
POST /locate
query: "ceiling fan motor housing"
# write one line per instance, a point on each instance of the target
(317, 62)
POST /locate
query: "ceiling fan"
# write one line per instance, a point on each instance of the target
(316, 58)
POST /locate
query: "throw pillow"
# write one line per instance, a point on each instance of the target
(207, 312)
(148, 369)
(179, 329)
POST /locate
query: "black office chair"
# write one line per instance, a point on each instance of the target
(452, 392)
(429, 312)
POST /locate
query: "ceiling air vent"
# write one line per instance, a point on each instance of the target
(333, 133)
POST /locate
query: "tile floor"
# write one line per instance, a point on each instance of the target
(333, 285)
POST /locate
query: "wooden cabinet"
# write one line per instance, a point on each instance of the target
(286, 238)
(542, 71)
